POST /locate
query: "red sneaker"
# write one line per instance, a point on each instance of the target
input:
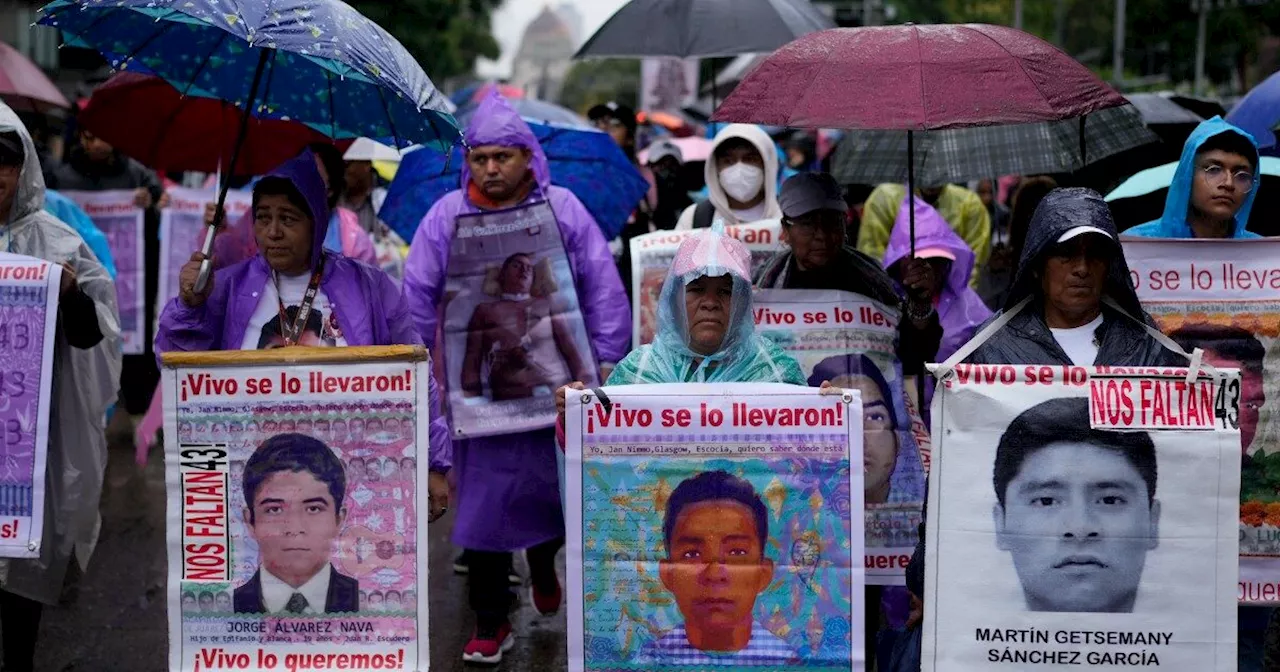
(548, 603)
(487, 646)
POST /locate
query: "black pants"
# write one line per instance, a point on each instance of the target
(19, 625)
(489, 591)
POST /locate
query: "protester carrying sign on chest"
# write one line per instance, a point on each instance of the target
(294, 292)
(551, 260)
(85, 370)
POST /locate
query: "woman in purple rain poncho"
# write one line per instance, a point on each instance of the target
(242, 305)
(960, 309)
(508, 490)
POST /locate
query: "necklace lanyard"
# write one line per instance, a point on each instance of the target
(291, 333)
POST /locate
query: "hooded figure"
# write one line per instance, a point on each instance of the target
(1179, 208)
(743, 355)
(85, 379)
(960, 309)
(731, 171)
(508, 494)
(1027, 339)
(959, 207)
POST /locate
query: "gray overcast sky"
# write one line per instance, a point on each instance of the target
(509, 23)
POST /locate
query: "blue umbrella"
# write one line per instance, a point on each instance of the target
(537, 110)
(1259, 112)
(317, 62)
(584, 161)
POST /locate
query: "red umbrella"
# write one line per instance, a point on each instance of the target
(24, 86)
(912, 77)
(149, 120)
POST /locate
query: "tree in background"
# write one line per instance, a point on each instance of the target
(1160, 35)
(597, 81)
(445, 36)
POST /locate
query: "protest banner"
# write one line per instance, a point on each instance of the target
(114, 213)
(513, 327)
(29, 291)
(296, 538)
(850, 340)
(1224, 296)
(182, 232)
(1082, 517)
(653, 253)
(713, 525)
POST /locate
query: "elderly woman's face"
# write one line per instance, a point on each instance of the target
(706, 303)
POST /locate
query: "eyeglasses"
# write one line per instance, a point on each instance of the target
(1216, 175)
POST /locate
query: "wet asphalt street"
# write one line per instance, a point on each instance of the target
(115, 619)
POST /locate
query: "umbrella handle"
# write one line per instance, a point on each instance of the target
(206, 266)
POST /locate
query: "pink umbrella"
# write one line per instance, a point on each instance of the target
(24, 86)
(912, 77)
(691, 149)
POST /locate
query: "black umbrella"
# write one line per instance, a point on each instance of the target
(1158, 110)
(702, 28)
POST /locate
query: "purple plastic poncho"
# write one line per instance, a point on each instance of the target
(960, 309)
(365, 300)
(508, 485)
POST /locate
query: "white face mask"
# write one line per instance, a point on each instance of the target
(742, 181)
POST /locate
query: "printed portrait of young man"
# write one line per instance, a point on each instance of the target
(1076, 508)
(294, 491)
(715, 532)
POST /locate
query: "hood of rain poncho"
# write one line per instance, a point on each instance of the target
(932, 231)
(768, 151)
(744, 355)
(496, 122)
(302, 173)
(1059, 212)
(1173, 223)
(84, 385)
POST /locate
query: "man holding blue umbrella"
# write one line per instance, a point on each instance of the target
(506, 320)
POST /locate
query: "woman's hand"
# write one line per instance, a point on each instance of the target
(187, 282)
(560, 397)
(437, 495)
(826, 388)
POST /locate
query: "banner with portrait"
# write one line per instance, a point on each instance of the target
(653, 253)
(29, 290)
(850, 340)
(513, 326)
(122, 222)
(1082, 517)
(668, 84)
(182, 232)
(296, 531)
(714, 525)
(1224, 296)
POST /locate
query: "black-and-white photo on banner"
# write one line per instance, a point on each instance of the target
(1083, 517)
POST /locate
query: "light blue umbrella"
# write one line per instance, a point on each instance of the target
(1154, 179)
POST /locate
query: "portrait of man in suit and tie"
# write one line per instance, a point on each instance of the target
(294, 487)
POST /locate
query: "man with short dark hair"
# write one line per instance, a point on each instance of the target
(1213, 189)
(715, 531)
(294, 487)
(1076, 508)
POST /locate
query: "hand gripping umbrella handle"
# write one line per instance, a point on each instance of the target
(206, 266)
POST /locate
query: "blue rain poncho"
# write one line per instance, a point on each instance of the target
(744, 356)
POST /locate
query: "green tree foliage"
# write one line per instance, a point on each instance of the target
(598, 81)
(446, 36)
(1160, 36)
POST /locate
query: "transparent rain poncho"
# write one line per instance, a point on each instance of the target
(744, 356)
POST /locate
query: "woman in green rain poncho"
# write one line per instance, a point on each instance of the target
(706, 332)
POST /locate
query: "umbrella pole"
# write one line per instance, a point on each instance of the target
(911, 187)
(206, 266)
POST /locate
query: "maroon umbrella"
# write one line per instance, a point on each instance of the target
(24, 86)
(149, 120)
(943, 80)
(917, 78)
